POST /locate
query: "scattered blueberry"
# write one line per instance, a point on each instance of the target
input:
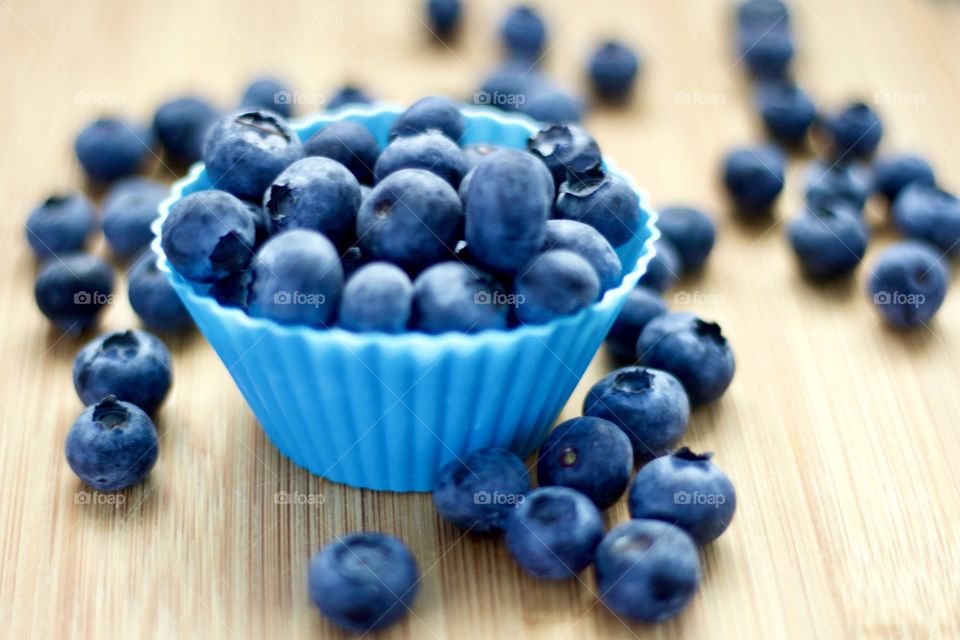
(908, 283)
(478, 491)
(841, 182)
(111, 148)
(378, 297)
(510, 85)
(451, 296)
(691, 232)
(315, 193)
(208, 235)
(349, 143)
(754, 177)
(687, 490)
(613, 70)
(132, 365)
(641, 306)
(664, 269)
(364, 581)
(786, 109)
(693, 350)
(590, 455)
(604, 201)
(60, 225)
(270, 93)
(586, 242)
(855, 129)
(72, 289)
(297, 279)
(348, 95)
(829, 240)
(112, 445)
(555, 283)
(129, 209)
(430, 151)
(181, 125)
(153, 298)
(650, 406)
(647, 570)
(443, 15)
(505, 217)
(767, 53)
(925, 212)
(565, 149)
(892, 173)
(246, 150)
(554, 532)
(412, 218)
(524, 32)
(553, 105)
(433, 113)
(763, 15)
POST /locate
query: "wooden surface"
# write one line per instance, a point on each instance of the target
(841, 435)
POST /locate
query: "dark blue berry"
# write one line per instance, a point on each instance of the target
(556, 283)
(641, 306)
(378, 297)
(129, 210)
(349, 143)
(786, 109)
(451, 296)
(829, 241)
(430, 151)
(565, 149)
(761, 15)
(691, 232)
(479, 490)
(854, 130)
(553, 105)
(443, 16)
(754, 177)
(153, 298)
(844, 183)
(270, 93)
(72, 289)
(664, 269)
(181, 126)
(767, 53)
(433, 113)
(892, 173)
(613, 70)
(111, 148)
(524, 32)
(604, 201)
(511, 85)
(908, 283)
(60, 225)
(348, 95)
(585, 241)
(925, 212)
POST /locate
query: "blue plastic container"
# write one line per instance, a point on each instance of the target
(387, 411)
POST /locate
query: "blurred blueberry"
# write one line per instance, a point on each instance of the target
(72, 289)
(908, 283)
(642, 305)
(894, 172)
(348, 95)
(786, 109)
(854, 130)
(111, 148)
(691, 232)
(613, 70)
(754, 177)
(925, 212)
(129, 209)
(443, 16)
(61, 224)
(845, 183)
(153, 298)
(181, 125)
(270, 93)
(553, 105)
(479, 490)
(767, 53)
(432, 113)
(829, 240)
(664, 269)
(523, 32)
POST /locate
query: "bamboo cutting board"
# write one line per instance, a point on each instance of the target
(841, 435)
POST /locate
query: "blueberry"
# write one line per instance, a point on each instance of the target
(664, 269)
(478, 491)
(129, 210)
(556, 283)
(234, 290)
(642, 305)
(554, 532)
(433, 113)
(246, 150)
(590, 455)
(650, 406)
(693, 350)
(786, 109)
(72, 289)
(565, 149)
(111, 148)
(553, 105)
(586, 242)
(451, 296)
(412, 218)
(856, 130)
(153, 298)
(510, 85)
(924, 212)
(691, 232)
(270, 93)
(315, 193)
(829, 241)
(60, 225)
(297, 279)
(524, 32)
(443, 16)
(132, 365)
(348, 95)
(754, 177)
(349, 143)
(892, 173)
(208, 236)
(473, 153)
(507, 206)
(687, 490)
(181, 125)
(364, 581)
(763, 15)
(378, 297)
(908, 283)
(647, 570)
(604, 201)
(841, 182)
(112, 445)
(767, 53)
(613, 70)
(431, 151)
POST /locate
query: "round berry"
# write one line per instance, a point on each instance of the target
(71, 290)
(479, 490)
(60, 225)
(908, 283)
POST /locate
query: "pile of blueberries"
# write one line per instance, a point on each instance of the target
(908, 282)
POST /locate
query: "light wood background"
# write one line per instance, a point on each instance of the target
(841, 435)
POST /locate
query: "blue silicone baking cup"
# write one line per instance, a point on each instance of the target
(386, 412)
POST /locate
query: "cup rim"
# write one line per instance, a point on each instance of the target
(412, 338)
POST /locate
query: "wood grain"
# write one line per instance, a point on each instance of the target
(840, 434)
